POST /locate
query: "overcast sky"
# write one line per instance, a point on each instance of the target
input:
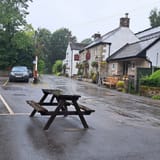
(86, 17)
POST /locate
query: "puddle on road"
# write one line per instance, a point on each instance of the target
(129, 115)
(74, 129)
(12, 88)
(19, 94)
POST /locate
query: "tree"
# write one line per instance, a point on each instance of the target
(57, 67)
(13, 14)
(41, 66)
(43, 42)
(59, 42)
(154, 18)
(87, 41)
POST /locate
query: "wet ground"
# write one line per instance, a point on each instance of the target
(124, 127)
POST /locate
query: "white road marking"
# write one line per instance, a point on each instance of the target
(15, 114)
(21, 114)
(5, 83)
(6, 105)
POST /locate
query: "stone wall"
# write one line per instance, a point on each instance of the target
(149, 91)
(4, 73)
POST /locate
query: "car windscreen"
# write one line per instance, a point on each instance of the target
(19, 69)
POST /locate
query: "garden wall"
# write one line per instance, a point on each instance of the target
(149, 91)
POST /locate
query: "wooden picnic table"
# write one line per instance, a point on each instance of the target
(62, 102)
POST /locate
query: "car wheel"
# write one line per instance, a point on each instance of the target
(10, 80)
(27, 80)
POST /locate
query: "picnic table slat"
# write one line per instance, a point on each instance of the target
(37, 106)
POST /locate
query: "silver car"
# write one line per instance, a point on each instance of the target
(19, 73)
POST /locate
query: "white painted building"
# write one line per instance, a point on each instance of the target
(72, 58)
(142, 54)
(153, 53)
(104, 46)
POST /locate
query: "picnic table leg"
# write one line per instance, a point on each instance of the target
(80, 114)
(52, 99)
(33, 113)
(52, 117)
(43, 98)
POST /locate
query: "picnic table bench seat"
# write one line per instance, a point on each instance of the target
(86, 109)
(36, 106)
(43, 111)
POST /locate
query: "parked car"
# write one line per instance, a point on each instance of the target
(30, 73)
(19, 73)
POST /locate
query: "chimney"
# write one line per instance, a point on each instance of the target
(124, 21)
(96, 36)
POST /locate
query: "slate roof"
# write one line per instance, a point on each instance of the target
(77, 46)
(133, 50)
(148, 33)
(102, 39)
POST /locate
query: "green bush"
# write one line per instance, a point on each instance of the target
(59, 74)
(41, 66)
(57, 67)
(152, 80)
(91, 74)
(120, 84)
(156, 97)
(94, 78)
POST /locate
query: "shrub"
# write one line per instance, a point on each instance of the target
(59, 74)
(57, 67)
(41, 66)
(120, 84)
(94, 64)
(156, 97)
(91, 74)
(152, 80)
(94, 78)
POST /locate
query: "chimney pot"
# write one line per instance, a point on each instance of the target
(96, 36)
(124, 21)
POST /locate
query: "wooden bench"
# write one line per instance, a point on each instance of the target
(110, 81)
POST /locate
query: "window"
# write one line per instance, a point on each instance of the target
(113, 66)
(133, 65)
(76, 57)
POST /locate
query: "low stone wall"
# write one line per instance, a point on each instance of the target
(4, 73)
(149, 91)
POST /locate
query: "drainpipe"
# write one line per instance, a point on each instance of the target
(109, 50)
(35, 80)
(157, 60)
(71, 62)
(152, 69)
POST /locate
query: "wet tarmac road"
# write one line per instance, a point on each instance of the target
(124, 127)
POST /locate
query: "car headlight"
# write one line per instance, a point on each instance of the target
(25, 74)
(12, 73)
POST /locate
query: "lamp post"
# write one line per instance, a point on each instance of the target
(35, 62)
(35, 74)
(99, 59)
(99, 67)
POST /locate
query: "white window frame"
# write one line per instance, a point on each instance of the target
(133, 65)
(113, 66)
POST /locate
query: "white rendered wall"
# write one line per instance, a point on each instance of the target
(153, 54)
